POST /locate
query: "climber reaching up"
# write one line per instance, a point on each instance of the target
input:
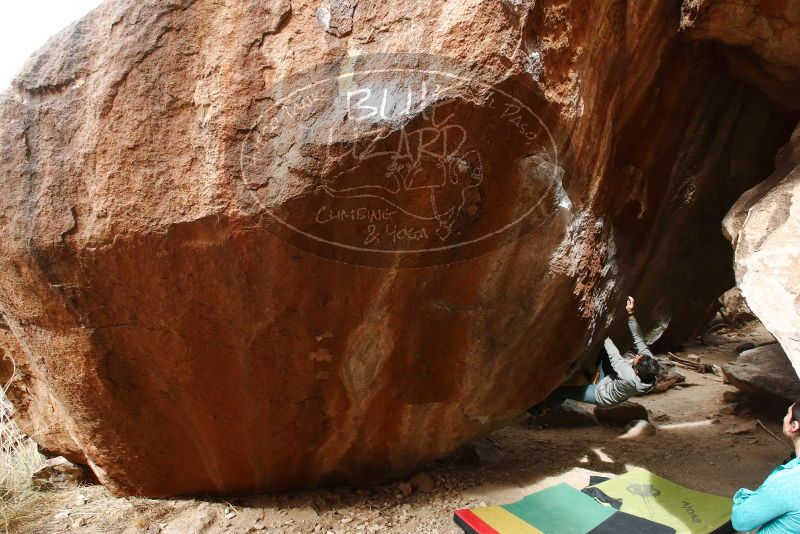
(625, 379)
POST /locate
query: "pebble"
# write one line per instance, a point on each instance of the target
(423, 482)
(745, 428)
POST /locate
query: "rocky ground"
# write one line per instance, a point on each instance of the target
(703, 440)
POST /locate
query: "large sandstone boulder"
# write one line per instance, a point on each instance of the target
(252, 246)
(765, 374)
(764, 228)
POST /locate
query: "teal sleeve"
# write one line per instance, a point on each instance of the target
(753, 509)
(638, 337)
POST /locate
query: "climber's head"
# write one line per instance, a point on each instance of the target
(646, 368)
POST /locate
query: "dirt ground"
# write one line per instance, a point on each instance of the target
(693, 446)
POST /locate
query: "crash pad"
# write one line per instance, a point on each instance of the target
(559, 509)
(652, 497)
(638, 502)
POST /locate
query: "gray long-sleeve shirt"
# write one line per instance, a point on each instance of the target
(614, 390)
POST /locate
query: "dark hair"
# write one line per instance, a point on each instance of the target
(647, 368)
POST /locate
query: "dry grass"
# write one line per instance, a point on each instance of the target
(24, 508)
(19, 459)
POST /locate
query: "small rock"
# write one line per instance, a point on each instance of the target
(230, 513)
(668, 377)
(193, 519)
(621, 414)
(405, 488)
(153, 529)
(369, 515)
(568, 414)
(63, 514)
(302, 509)
(57, 473)
(746, 428)
(678, 387)
(479, 453)
(422, 482)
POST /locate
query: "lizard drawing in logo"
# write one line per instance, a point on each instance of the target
(648, 493)
(427, 174)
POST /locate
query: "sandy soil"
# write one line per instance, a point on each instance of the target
(692, 446)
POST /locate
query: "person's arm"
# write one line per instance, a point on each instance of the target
(638, 337)
(636, 331)
(753, 509)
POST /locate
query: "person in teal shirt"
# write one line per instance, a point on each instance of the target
(774, 508)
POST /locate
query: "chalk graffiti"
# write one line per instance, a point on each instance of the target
(418, 158)
(429, 176)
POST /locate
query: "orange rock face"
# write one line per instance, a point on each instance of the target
(270, 245)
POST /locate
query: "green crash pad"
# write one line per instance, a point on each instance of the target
(561, 508)
(652, 497)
